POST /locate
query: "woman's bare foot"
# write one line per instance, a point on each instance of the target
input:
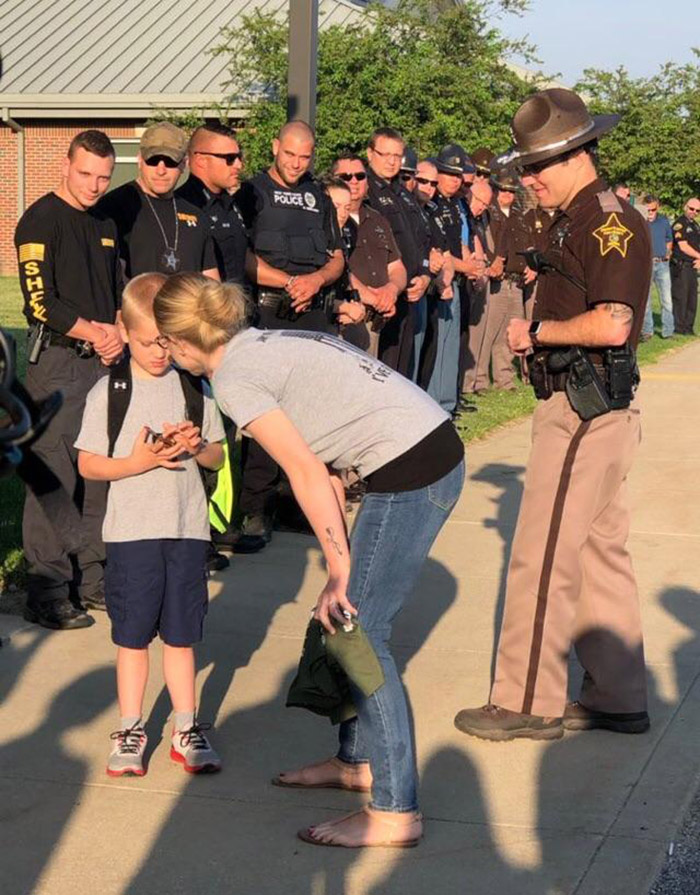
(332, 773)
(367, 829)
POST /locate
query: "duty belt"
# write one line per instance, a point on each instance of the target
(82, 347)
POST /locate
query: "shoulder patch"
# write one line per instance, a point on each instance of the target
(678, 226)
(613, 236)
(31, 251)
(608, 202)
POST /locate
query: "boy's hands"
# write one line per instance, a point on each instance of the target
(185, 435)
(146, 455)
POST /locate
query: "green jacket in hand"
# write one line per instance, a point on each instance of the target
(327, 666)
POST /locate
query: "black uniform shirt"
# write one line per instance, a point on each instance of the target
(310, 210)
(401, 209)
(438, 235)
(448, 212)
(142, 222)
(685, 230)
(226, 227)
(512, 233)
(68, 265)
(608, 252)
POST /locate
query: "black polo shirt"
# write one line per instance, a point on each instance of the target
(226, 227)
(164, 235)
(68, 265)
(400, 208)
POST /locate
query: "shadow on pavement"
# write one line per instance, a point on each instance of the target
(236, 832)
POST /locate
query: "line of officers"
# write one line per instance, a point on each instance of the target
(414, 261)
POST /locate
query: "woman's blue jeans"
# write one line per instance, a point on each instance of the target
(390, 541)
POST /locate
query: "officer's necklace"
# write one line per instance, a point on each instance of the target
(169, 257)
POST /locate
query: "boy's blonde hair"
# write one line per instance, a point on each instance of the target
(201, 311)
(137, 300)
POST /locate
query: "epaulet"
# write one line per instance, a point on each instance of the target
(609, 202)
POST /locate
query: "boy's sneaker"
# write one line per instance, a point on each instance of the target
(193, 750)
(126, 759)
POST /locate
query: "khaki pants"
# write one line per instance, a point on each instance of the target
(494, 352)
(478, 310)
(570, 579)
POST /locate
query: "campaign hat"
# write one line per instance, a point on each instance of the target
(163, 139)
(409, 160)
(505, 177)
(551, 123)
(482, 159)
(451, 159)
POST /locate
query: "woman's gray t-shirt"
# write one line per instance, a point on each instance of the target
(160, 503)
(352, 410)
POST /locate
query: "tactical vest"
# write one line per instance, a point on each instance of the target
(288, 230)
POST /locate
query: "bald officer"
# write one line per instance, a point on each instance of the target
(570, 579)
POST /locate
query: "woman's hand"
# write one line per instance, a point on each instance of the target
(333, 603)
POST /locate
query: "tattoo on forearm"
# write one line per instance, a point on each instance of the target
(618, 311)
(333, 542)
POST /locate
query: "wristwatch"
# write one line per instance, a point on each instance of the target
(535, 327)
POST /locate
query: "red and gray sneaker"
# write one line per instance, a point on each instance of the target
(126, 759)
(193, 750)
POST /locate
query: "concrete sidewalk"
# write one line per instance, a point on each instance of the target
(592, 813)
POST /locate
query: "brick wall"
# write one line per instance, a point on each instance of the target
(45, 145)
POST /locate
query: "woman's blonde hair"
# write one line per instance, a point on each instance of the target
(201, 311)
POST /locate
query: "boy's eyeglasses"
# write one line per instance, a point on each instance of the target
(425, 180)
(229, 157)
(155, 160)
(355, 175)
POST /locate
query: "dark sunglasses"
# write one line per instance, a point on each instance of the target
(155, 160)
(228, 157)
(425, 180)
(407, 175)
(356, 175)
(693, 210)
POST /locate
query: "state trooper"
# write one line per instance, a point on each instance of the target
(570, 578)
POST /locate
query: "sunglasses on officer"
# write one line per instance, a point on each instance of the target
(407, 175)
(354, 175)
(693, 209)
(426, 180)
(228, 157)
(155, 160)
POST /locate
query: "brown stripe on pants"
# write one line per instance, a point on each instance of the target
(501, 307)
(570, 578)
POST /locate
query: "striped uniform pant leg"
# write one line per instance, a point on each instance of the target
(574, 473)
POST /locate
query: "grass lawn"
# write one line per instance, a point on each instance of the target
(495, 409)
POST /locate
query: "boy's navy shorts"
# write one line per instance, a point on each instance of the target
(156, 587)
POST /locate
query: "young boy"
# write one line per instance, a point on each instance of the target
(156, 531)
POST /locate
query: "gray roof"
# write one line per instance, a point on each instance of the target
(122, 56)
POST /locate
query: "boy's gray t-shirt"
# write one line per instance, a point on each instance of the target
(352, 410)
(160, 503)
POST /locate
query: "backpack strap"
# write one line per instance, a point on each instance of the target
(609, 203)
(118, 399)
(193, 390)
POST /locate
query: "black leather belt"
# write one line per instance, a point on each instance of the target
(58, 340)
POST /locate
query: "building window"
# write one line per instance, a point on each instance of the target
(125, 167)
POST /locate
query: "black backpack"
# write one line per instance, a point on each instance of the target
(119, 398)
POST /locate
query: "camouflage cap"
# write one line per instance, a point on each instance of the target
(163, 139)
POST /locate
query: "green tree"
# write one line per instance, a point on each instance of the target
(656, 146)
(435, 71)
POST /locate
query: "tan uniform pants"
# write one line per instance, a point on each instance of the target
(502, 306)
(477, 329)
(570, 579)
